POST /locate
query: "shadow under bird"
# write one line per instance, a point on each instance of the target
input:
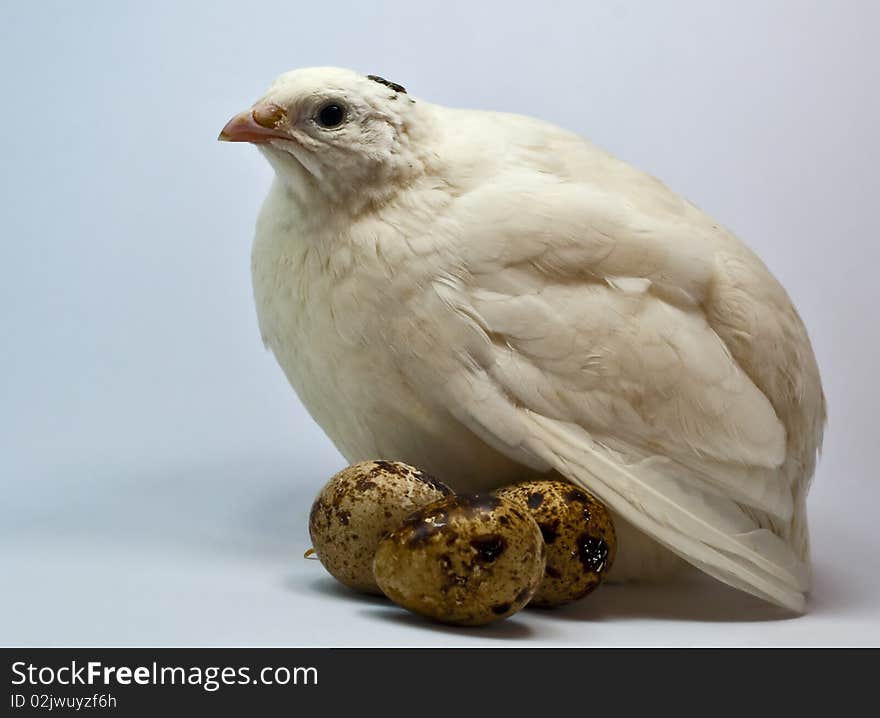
(493, 299)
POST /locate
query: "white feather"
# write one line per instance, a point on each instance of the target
(492, 298)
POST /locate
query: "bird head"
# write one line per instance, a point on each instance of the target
(334, 133)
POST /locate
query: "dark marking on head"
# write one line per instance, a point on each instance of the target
(500, 609)
(535, 500)
(593, 552)
(343, 517)
(488, 547)
(382, 81)
(552, 572)
(549, 530)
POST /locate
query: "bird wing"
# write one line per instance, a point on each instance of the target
(578, 341)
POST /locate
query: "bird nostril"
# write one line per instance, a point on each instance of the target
(268, 115)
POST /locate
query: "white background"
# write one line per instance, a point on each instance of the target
(157, 470)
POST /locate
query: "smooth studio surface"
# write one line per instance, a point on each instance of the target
(156, 469)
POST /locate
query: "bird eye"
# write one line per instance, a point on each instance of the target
(331, 115)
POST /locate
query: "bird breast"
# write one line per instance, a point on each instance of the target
(325, 305)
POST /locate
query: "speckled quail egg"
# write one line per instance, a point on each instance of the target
(466, 560)
(579, 535)
(357, 507)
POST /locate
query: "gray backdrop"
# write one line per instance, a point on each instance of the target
(157, 470)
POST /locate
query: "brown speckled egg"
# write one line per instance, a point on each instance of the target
(357, 507)
(466, 560)
(579, 535)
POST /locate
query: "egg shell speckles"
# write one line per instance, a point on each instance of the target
(466, 560)
(357, 507)
(578, 532)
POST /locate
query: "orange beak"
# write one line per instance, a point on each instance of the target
(257, 125)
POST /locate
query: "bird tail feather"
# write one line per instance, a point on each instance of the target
(705, 528)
